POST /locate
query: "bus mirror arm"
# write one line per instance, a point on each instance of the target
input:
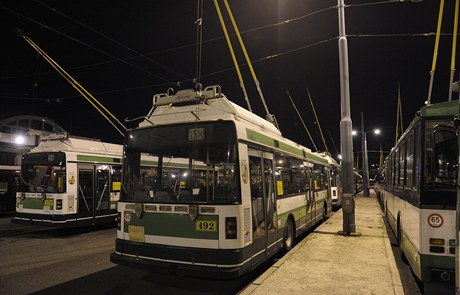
(457, 122)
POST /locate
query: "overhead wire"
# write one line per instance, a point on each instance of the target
(86, 44)
(270, 117)
(301, 119)
(111, 39)
(199, 40)
(91, 99)
(435, 51)
(454, 50)
(232, 54)
(317, 120)
(272, 56)
(285, 22)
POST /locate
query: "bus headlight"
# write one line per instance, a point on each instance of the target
(437, 245)
(230, 228)
(437, 242)
(119, 220)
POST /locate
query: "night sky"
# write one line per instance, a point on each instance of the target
(123, 52)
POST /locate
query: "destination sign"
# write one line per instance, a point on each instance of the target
(195, 134)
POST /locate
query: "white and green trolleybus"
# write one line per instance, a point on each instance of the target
(211, 189)
(69, 182)
(419, 194)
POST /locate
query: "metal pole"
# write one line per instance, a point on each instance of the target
(366, 169)
(365, 159)
(346, 142)
(457, 219)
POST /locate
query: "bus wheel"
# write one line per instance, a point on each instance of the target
(325, 212)
(289, 235)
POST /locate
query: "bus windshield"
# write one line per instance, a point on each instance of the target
(441, 153)
(445, 154)
(194, 163)
(43, 172)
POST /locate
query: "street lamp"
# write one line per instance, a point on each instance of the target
(346, 141)
(365, 156)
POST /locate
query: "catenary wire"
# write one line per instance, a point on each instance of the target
(85, 44)
(138, 54)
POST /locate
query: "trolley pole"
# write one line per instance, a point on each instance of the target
(346, 142)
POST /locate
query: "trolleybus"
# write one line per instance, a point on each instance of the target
(211, 189)
(419, 194)
(9, 183)
(335, 188)
(69, 182)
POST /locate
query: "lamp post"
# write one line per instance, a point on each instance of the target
(365, 156)
(346, 141)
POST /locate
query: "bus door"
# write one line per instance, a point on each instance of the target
(309, 192)
(85, 190)
(264, 215)
(102, 200)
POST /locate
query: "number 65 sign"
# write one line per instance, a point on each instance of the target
(435, 220)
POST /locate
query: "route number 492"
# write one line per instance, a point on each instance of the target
(206, 225)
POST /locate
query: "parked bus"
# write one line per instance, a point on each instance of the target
(223, 192)
(358, 182)
(419, 194)
(9, 183)
(379, 183)
(335, 186)
(69, 182)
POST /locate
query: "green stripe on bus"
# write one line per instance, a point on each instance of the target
(32, 203)
(448, 108)
(298, 213)
(173, 225)
(291, 149)
(266, 140)
(316, 158)
(98, 159)
(169, 165)
(436, 262)
(260, 138)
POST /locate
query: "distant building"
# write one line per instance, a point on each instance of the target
(18, 135)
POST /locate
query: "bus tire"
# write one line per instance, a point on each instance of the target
(325, 216)
(289, 235)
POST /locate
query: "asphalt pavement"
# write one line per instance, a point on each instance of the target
(325, 262)
(7, 228)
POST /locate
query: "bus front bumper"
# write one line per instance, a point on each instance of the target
(194, 262)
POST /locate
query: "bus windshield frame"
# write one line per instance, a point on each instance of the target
(183, 163)
(43, 172)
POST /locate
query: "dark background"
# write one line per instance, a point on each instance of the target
(123, 52)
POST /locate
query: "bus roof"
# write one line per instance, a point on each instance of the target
(71, 144)
(442, 109)
(188, 106)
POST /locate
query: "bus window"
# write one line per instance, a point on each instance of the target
(182, 163)
(43, 172)
(417, 157)
(445, 159)
(116, 179)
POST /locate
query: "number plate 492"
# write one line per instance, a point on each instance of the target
(206, 225)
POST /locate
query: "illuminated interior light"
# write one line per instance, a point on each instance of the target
(19, 139)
